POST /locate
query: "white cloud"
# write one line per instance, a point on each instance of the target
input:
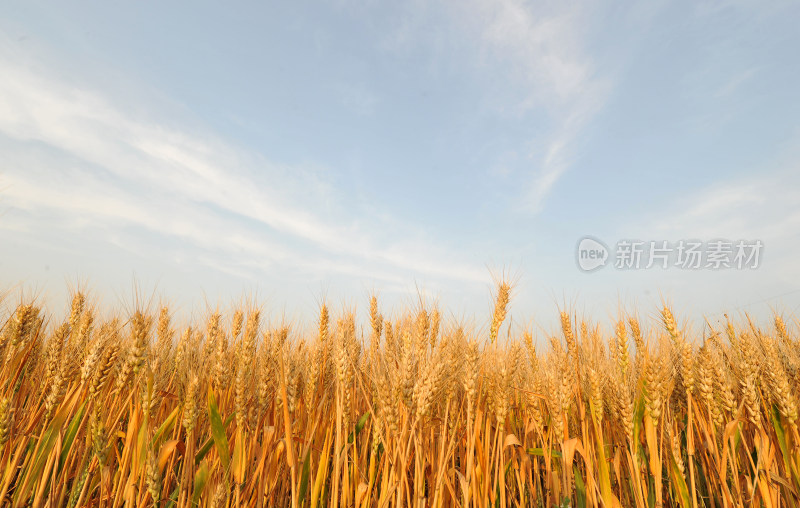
(761, 207)
(540, 48)
(533, 58)
(104, 165)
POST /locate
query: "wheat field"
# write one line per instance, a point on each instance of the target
(407, 410)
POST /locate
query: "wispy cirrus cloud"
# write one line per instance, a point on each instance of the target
(761, 207)
(757, 206)
(530, 64)
(542, 50)
(74, 154)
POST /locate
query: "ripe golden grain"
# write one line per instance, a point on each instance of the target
(410, 411)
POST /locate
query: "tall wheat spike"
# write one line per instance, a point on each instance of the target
(415, 409)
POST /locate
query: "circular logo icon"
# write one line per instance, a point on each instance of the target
(591, 254)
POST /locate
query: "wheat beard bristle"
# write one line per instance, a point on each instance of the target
(432, 412)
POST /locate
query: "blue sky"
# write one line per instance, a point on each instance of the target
(295, 151)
